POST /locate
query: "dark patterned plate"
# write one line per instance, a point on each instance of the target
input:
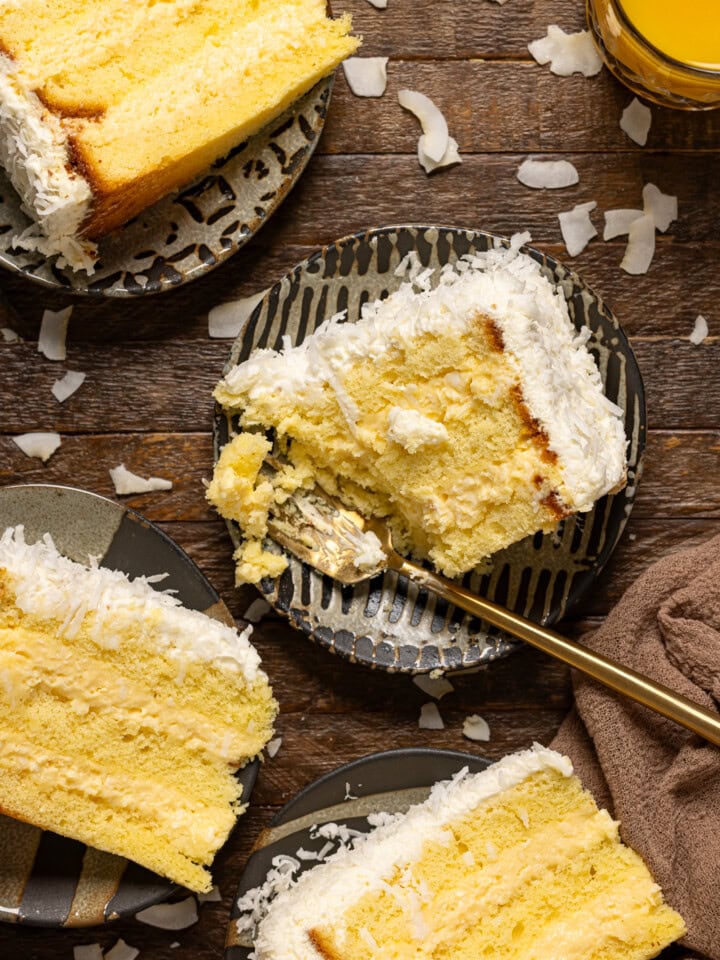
(389, 622)
(387, 782)
(188, 233)
(47, 880)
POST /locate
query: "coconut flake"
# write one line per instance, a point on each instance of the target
(170, 916)
(577, 228)
(9, 335)
(641, 245)
(67, 385)
(451, 156)
(213, 896)
(228, 319)
(635, 121)
(257, 610)
(53, 332)
(126, 482)
(436, 688)
(379, 4)
(88, 951)
(661, 206)
(273, 746)
(366, 76)
(547, 174)
(122, 951)
(430, 718)
(432, 121)
(618, 222)
(700, 330)
(40, 445)
(567, 53)
(475, 728)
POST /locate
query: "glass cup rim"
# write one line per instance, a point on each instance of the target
(690, 68)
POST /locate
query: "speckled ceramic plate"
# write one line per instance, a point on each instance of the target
(188, 233)
(47, 880)
(389, 622)
(387, 782)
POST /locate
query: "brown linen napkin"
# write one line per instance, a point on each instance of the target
(660, 781)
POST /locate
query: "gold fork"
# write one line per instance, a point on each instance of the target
(330, 537)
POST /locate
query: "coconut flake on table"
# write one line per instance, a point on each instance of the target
(662, 207)
(228, 319)
(379, 4)
(635, 121)
(88, 951)
(9, 335)
(451, 156)
(40, 445)
(170, 916)
(547, 174)
(433, 687)
(257, 610)
(476, 728)
(618, 222)
(212, 896)
(126, 482)
(577, 228)
(641, 245)
(67, 385)
(567, 53)
(122, 951)
(273, 746)
(432, 121)
(700, 330)
(53, 333)
(430, 718)
(366, 76)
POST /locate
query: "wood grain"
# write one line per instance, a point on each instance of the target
(151, 368)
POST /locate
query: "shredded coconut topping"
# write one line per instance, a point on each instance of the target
(50, 586)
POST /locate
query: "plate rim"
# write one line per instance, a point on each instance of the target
(504, 644)
(249, 772)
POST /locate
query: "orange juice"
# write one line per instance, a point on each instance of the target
(666, 50)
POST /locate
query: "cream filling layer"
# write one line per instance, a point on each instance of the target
(33, 151)
(156, 803)
(86, 686)
(342, 880)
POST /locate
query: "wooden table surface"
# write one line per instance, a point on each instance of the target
(150, 369)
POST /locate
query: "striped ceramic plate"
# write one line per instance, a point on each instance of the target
(388, 782)
(389, 622)
(49, 880)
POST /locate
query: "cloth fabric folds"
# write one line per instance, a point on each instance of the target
(659, 780)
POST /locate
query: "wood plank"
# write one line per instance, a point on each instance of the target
(549, 113)
(680, 478)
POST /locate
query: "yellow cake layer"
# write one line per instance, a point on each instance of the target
(490, 483)
(120, 740)
(535, 872)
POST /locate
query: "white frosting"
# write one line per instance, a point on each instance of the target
(561, 384)
(321, 895)
(369, 554)
(50, 586)
(33, 151)
(412, 430)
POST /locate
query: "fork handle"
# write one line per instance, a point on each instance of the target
(621, 679)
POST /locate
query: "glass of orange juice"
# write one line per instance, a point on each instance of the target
(665, 50)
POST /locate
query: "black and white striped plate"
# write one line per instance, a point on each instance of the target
(388, 782)
(389, 622)
(47, 880)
